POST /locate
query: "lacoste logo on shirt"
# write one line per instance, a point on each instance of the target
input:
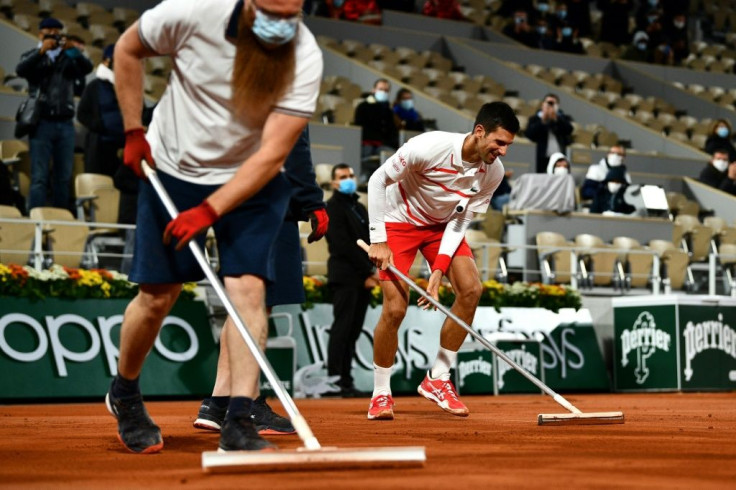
(373, 228)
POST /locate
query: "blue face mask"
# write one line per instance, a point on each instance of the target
(407, 104)
(722, 132)
(381, 96)
(274, 30)
(543, 7)
(347, 186)
(542, 30)
(653, 3)
(567, 31)
(642, 46)
(562, 14)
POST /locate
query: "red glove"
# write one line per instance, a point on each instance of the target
(190, 223)
(319, 221)
(137, 149)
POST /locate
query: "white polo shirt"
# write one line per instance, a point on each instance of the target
(432, 184)
(194, 134)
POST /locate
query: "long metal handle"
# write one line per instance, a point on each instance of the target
(300, 424)
(555, 396)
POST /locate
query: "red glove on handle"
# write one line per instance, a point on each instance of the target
(319, 221)
(441, 262)
(190, 223)
(137, 149)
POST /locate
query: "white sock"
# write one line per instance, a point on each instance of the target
(381, 380)
(443, 363)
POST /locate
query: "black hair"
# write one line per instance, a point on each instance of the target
(338, 166)
(400, 94)
(554, 96)
(497, 114)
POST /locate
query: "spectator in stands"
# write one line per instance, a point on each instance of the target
(715, 170)
(650, 21)
(550, 129)
(677, 37)
(615, 21)
(443, 9)
(407, 115)
(520, 30)
(729, 183)
(610, 197)
(545, 35)
(639, 49)
(503, 192)
(51, 69)
(558, 165)
(363, 11)
(567, 39)
(578, 13)
(720, 137)
(99, 112)
(375, 117)
(597, 172)
(559, 17)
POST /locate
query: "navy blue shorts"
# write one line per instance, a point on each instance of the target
(245, 235)
(288, 289)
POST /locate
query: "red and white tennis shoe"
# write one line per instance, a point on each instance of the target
(381, 408)
(443, 393)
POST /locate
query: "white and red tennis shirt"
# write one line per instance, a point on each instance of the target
(427, 183)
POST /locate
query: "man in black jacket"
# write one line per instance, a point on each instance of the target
(715, 171)
(351, 275)
(550, 129)
(51, 69)
(378, 124)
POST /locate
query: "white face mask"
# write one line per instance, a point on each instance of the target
(381, 95)
(560, 171)
(614, 160)
(613, 187)
(721, 165)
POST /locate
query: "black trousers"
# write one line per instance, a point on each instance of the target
(349, 306)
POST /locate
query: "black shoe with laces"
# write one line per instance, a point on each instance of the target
(267, 422)
(136, 430)
(210, 416)
(239, 434)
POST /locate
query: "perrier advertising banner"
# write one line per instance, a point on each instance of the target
(674, 343)
(69, 348)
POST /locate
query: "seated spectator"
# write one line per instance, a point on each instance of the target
(720, 137)
(503, 192)
(610, 197)
(559, 17)
(443, 9)
(363, 11)
(597, 172)
(675, 32)
(651, 23)
(379, 131)
(615, 20)
(520, 30)
(639, 49)
(407, 115)
(545, 35)
(567, 40)
(715, 171)
(558, 165)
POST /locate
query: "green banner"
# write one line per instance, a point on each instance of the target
(69, 348)
(645, 348)
(528, 355)
(708, 347)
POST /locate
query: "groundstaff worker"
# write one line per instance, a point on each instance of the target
(245, 82)
(422, 199)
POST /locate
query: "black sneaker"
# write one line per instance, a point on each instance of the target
(136, 430)
(210, 416)
(267, 422)
(241, 435)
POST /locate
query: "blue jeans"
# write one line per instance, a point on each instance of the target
(51, 139)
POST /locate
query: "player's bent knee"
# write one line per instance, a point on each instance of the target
(470, 293)
(158, 299)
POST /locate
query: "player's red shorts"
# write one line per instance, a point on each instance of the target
(405, 239)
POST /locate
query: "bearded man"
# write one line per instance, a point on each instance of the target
(245, 82)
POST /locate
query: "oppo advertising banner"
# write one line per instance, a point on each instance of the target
(674, 343)
(570, 356)
(69, 348)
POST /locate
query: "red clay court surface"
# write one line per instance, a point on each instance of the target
(668, 441)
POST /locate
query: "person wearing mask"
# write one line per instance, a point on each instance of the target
(550, 129)
(558, 165)
(638, 50)
(677, 37)
(408, 117)
(567, 39)
(520, 30)
(350, 275)
(51, 69)
(610, 197)
(715, 171)
(597, 172)
(615, 21)
(379, 131)
(545, 36)
(720, 137)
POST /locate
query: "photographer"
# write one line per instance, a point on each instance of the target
(51, 69)
(550, 129)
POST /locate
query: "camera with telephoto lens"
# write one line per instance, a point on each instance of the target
(59, 38)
